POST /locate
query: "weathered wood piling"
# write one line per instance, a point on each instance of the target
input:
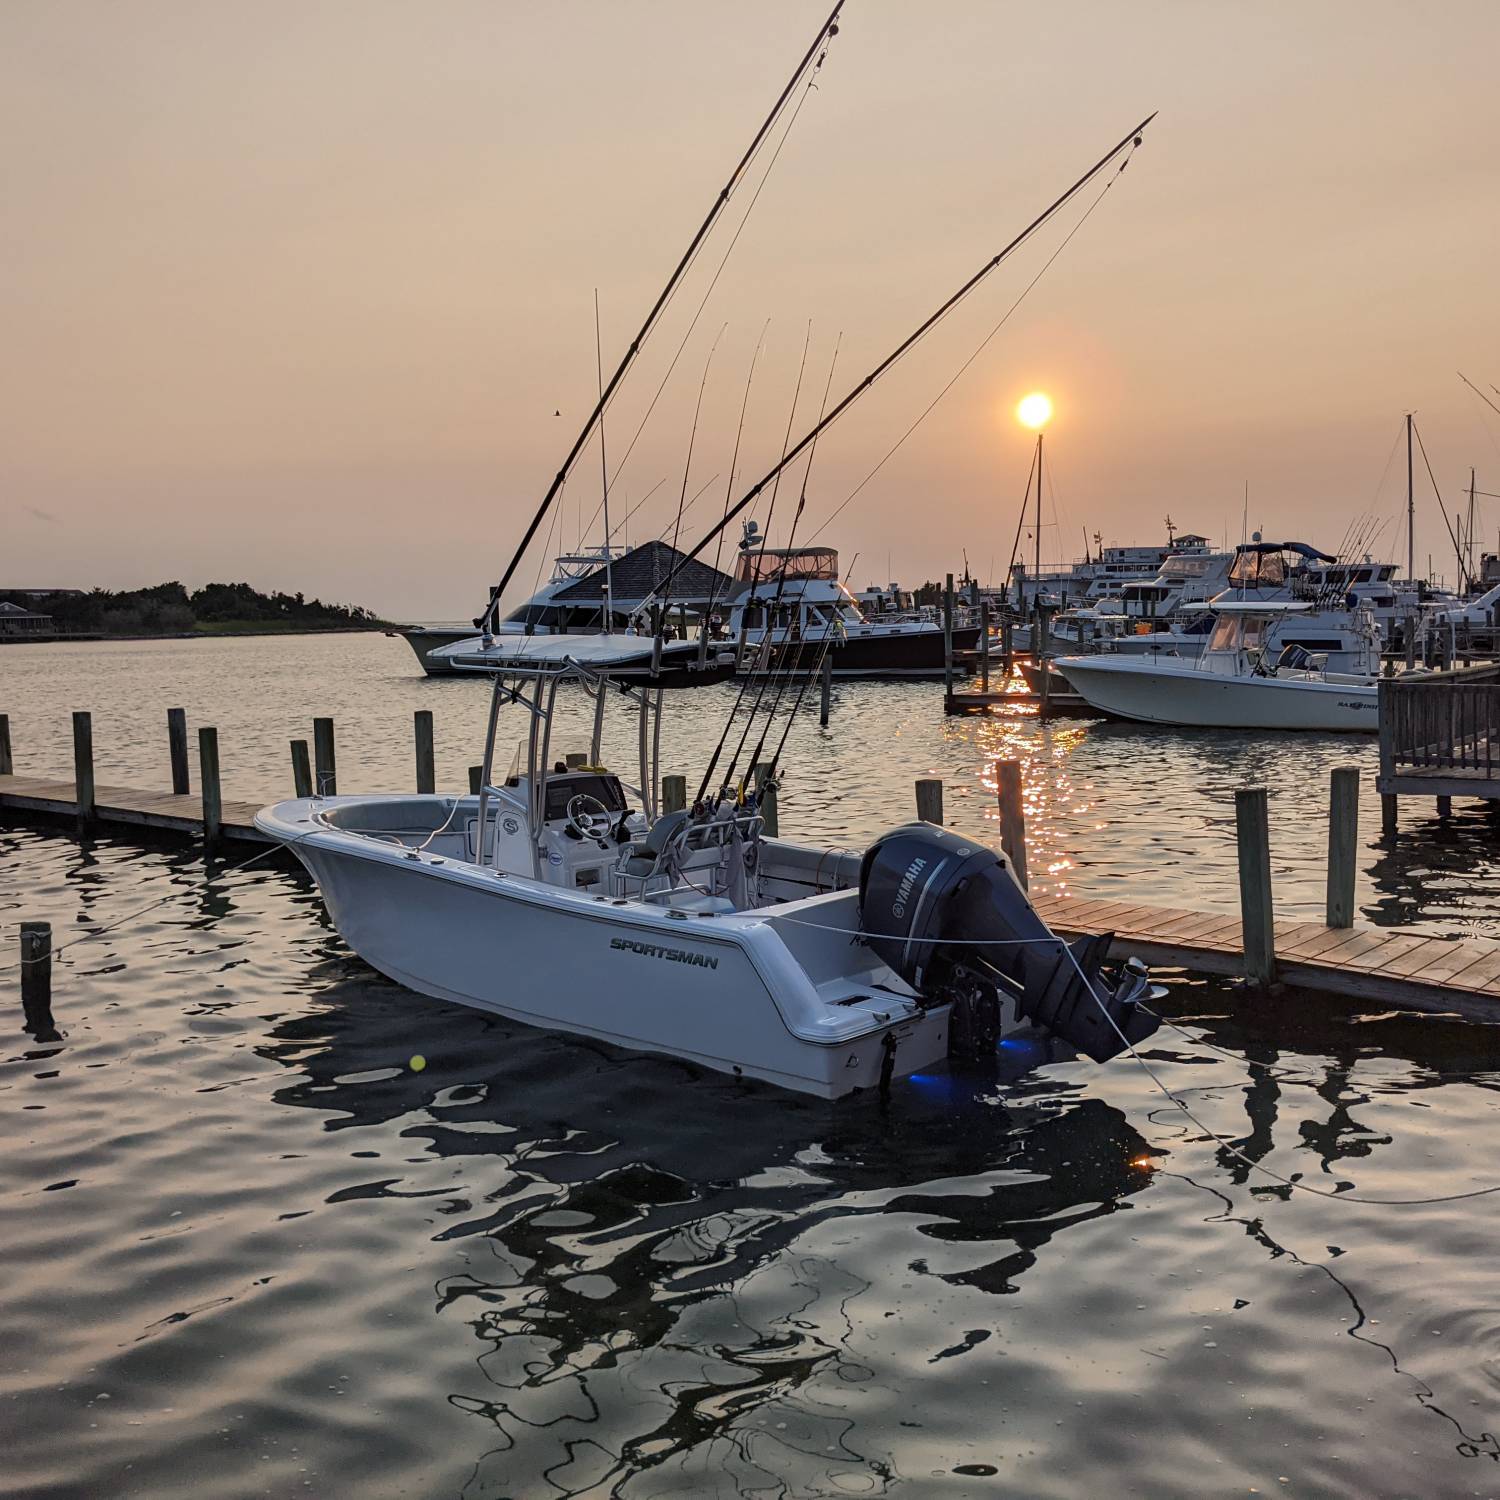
(1252, 830)
(177, 751)
(426, 755)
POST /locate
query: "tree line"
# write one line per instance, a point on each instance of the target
(170, 609)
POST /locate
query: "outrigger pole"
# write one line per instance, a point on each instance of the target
(826, 32)
(1133, 138)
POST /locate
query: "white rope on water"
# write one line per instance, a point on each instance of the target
(97, 932)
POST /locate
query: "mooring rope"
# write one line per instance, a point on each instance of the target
(97, 932)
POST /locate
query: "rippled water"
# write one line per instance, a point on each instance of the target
(251, 1248)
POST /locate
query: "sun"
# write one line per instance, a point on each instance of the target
(1035, 410)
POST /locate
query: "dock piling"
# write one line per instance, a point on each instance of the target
(426, 763)
(324, 759)
(302, 782)
(36, 980)
(476, 778)
(930, 800)
(1252, 829)
(1012, 817)
(1343, 839)
(984, 645)
(673, 793)
(83, 765)
(7, 765)
(947, 637)
(826, 699)
(208, 776)
(177, 749)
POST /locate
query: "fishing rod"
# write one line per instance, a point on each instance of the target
(734, 464)
(826, 31)
(687, 467)
(921, 331)
(807, 680)
(794, 663)
(753, 579)
(1479, 393)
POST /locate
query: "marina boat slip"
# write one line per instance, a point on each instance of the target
(562, 897)
(1236, 683)
(789, 603)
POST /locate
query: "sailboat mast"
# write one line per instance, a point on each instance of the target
(1411, 512)
(1036, 583)
(609, 569)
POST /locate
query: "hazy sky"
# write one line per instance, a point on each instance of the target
(291, 291)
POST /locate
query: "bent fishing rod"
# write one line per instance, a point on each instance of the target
(811, 435)
(826, 32)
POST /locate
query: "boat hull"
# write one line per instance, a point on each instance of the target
(725, 993)
(887, 651)
(424, 639)
(1154, 693)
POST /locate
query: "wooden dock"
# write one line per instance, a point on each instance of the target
(1388, 965)
(118, 807)
(1409, 970)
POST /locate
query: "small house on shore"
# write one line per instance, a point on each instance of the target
(17, 623)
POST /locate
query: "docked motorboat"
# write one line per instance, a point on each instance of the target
(1237, 682)
(790, 605)
(625, 655)
(562, 897)
(593, 592)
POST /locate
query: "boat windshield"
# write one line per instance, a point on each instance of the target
(1258, 570)
(789, 563)
(1233, 632)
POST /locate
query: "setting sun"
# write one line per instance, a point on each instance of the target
(1035, 410)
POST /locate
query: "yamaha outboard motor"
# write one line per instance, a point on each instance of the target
(946, 915)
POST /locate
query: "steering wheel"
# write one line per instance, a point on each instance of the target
(589, 817)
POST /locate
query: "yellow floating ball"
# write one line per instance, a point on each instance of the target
(418, 1063)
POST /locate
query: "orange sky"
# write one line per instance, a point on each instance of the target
(291, 292)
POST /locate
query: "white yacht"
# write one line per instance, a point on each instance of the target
(1237, 682)
(593, 594)
(562, 897)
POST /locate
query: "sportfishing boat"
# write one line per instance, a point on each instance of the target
(789, 603)
(1237, 683)
(562, 897)
(593, 592)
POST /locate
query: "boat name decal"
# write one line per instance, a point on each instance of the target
(909, 879)
(670, 955)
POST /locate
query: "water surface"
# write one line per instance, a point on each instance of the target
(251, 1247)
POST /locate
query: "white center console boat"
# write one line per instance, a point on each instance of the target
(562, 897)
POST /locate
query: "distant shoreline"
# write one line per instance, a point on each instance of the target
(249, 628)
